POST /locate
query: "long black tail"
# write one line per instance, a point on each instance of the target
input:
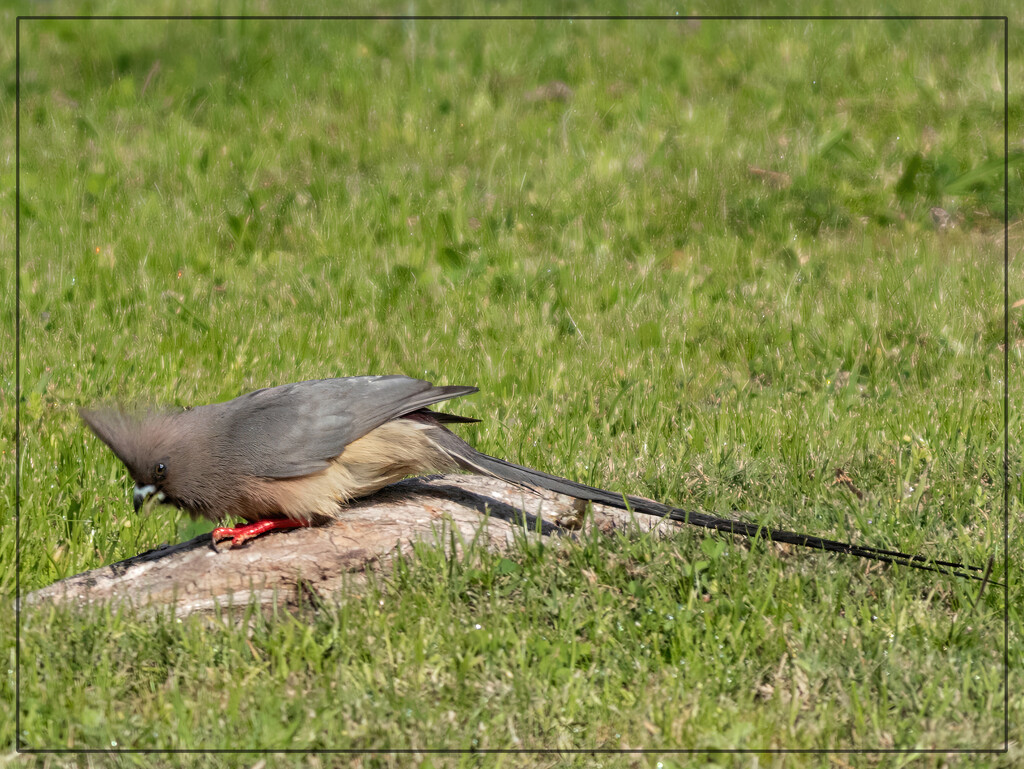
(472, 460)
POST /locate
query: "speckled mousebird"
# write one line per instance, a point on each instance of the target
(295, 455)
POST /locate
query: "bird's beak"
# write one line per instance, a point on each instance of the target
(142, 493)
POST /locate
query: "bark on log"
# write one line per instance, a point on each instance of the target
(286, 567)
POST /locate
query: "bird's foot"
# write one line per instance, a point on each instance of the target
(240, 534)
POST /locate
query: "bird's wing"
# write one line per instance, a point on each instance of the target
(295, 429)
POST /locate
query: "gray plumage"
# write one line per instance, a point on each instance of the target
(208, 454)
(296, 429)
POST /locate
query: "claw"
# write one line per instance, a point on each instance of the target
(240, 534)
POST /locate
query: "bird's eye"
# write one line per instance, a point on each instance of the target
(160, 471)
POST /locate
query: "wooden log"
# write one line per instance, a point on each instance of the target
(291, 566)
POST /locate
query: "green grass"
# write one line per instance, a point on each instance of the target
(212, 207)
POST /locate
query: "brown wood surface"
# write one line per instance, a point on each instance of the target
(330, 561)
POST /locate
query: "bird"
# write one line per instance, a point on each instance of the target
(295, 455)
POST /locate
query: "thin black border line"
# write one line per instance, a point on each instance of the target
(1006, 387)
(1006, 383)
(17, 383)
(415, 17)
(514, 751)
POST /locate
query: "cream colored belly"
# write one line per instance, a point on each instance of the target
(393, 451)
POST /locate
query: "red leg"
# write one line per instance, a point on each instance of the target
(240, 534)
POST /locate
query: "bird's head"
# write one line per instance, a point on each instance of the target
(158, 449)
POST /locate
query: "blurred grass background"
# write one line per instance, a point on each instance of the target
(728, 265)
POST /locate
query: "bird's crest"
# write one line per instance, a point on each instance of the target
(136, 439)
